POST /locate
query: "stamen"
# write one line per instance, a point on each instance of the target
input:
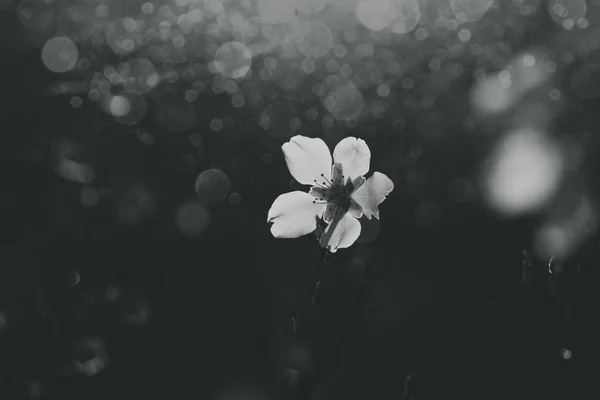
(322, 186)
(327, 180)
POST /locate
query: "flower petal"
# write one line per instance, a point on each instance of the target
(354, 155)
(372, 193)
(341, 233)
(319, 193)
(355, 209)
(358, 182)
(308, 159)
(293, 215)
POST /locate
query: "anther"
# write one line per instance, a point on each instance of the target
(327, 180)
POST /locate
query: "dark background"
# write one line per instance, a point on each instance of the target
(447, 302)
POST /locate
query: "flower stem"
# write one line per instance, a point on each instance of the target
(324, 267)
(409, 386)
(291, 328)
(316, 291)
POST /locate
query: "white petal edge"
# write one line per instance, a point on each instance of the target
(354, 155)
(372, 193)
(343, 231)
(293, 215)
(307, 159)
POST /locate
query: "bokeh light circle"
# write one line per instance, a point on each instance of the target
(127, 108)
(345, 102)
(233, 60)
(314, 39)
(60, 54)
(119, 106)
(490, 96)
(469, 10)
(524, 172)
(567, 13)
(565, 226)
(212, 186)
(90, 356)
(139, 75)
(375, 14)
(35, 15)
(406, 16)
(121, 38)
(235, 199)
(73, 278)
(192, 20)
(192, 219)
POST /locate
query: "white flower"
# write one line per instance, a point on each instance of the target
(339, 193)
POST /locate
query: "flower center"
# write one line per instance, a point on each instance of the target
(333, 192)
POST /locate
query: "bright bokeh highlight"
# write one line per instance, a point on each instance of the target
(565, 227)
(567, 13)
(233, 60)
(60, 54)
(500, 91)
(523, 173)
(345, 102)
(375, 14)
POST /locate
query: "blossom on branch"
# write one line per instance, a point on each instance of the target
(339, 193)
